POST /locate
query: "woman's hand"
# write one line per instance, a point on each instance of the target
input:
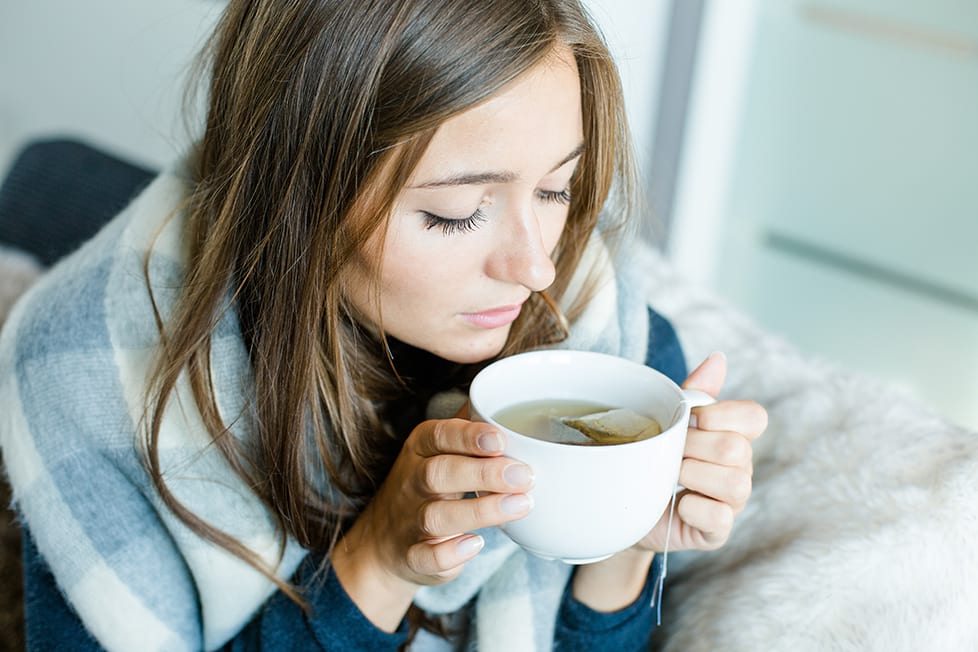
(717, 467)
(716, 475)
(414, 531)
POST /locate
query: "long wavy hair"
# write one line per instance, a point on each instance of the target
(317, 113)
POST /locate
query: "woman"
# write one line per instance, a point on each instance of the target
(227, 443)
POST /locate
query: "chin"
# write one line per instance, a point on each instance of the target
(472, 351)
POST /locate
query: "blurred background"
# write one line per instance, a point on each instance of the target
(813, 161)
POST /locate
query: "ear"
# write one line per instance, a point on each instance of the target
(710, 375)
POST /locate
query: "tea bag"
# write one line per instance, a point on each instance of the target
(612, 426)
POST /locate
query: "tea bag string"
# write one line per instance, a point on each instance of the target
(696, 398)
(659, 589)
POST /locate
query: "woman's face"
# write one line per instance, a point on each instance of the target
(472, 233)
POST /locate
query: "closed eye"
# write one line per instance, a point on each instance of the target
(451, 225)
(556, 197)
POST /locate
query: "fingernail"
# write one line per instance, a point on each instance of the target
(721, 354)
(469, 546)
(517, 475)
(490, 441)
(516, 504)
(693, 421)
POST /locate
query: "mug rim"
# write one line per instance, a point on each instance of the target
(480, 378)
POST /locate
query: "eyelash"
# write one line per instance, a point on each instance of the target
(451, 226)
(562, 197)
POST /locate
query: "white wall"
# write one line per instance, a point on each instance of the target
(636, 34)
(709, 143)
(107, 70)
(828, 183)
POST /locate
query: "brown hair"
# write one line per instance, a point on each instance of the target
(318, 112)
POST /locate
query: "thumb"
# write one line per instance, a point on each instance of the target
(709, 376)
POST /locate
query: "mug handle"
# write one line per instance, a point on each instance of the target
(695, 398)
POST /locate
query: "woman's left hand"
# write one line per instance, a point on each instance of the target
(716, 469)
(716, 475)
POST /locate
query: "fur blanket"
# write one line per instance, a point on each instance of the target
(17, 272)
(860, 533)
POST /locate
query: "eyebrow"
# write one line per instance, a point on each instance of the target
(481, 178)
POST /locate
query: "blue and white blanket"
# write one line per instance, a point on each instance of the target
(74, 359)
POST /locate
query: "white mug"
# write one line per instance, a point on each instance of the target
(589, 502)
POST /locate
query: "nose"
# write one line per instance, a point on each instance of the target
(522, 254)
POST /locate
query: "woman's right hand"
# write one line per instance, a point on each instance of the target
(416, 530)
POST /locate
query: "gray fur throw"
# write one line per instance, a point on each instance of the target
(17, 271)
(862, 531)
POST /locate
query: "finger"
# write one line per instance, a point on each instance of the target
(724, 448)
(727, 484)
(443, 518)
(709, 376)
(444, 558)
(711, 520)
(457, 436)
(449, 474)
(746, 417)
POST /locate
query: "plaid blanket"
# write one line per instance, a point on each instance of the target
(74, 360)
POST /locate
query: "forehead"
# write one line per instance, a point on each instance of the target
(525, 128)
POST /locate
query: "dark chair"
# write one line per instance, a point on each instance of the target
(57, 194)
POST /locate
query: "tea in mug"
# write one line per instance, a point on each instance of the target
(579, 423)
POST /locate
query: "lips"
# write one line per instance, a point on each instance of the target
(494, 317)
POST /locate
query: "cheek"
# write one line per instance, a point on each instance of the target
(366, 280)
(553, 229)
(412, 277)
